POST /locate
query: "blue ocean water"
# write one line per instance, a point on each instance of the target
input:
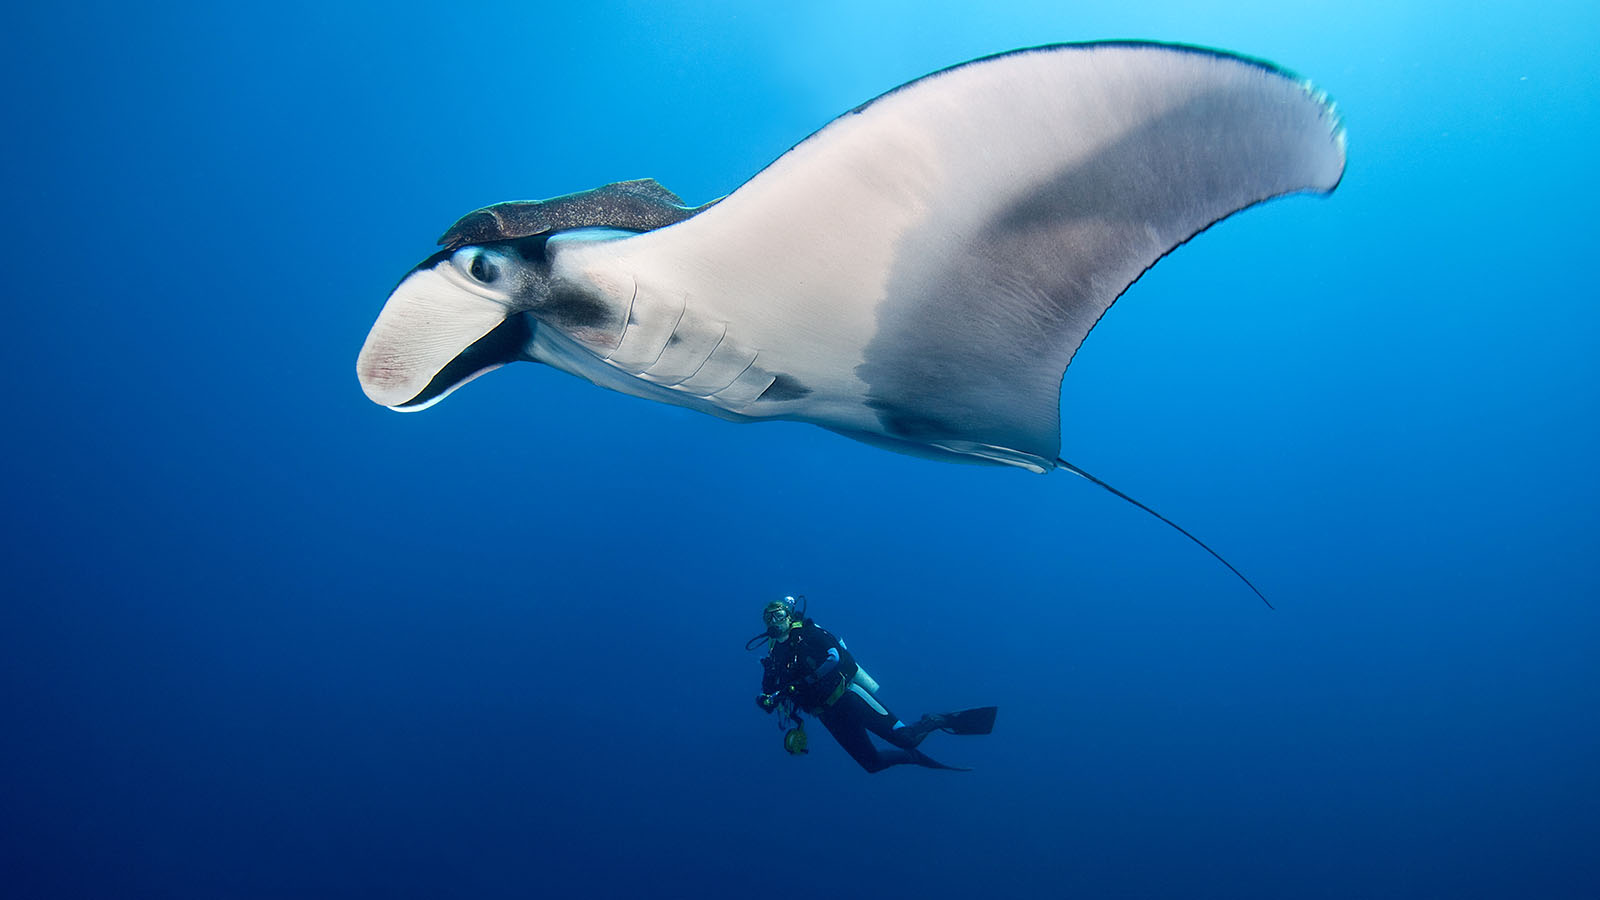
(262, 638)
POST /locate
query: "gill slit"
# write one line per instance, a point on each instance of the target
(668, 342)
(627, 320)
(734, 379)
(703, 362)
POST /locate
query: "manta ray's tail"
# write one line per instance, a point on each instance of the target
(1082, 474)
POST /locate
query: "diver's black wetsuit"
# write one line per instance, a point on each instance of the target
(814, 669)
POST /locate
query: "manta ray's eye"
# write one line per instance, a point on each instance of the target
(481, 268)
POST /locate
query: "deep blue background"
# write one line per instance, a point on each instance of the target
(261, 638)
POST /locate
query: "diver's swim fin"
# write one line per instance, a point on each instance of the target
(967, 721)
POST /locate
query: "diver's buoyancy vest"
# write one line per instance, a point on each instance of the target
(795, 661)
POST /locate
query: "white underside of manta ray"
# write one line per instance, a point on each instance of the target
(916, 275)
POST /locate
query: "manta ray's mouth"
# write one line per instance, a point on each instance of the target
(503, 344)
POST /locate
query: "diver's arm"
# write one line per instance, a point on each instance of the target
(826, 667)
(837, 659)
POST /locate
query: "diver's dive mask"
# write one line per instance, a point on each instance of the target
(780, 616)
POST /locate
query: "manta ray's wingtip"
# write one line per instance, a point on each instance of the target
(1337, 131)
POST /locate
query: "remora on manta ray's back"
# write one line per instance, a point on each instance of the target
(916, 275)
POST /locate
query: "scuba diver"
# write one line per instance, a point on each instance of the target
(806, 669)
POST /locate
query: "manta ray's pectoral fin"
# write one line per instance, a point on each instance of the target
(930, 263)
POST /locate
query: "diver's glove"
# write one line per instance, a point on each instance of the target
(768, 702)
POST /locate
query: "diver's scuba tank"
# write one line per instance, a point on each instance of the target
(867, 682)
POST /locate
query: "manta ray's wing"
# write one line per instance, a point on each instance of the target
(919, 273)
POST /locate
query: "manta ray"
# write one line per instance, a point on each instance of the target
(916, 275)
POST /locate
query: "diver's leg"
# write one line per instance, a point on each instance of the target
(885, 724)
(852, 717)
(848, 727)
